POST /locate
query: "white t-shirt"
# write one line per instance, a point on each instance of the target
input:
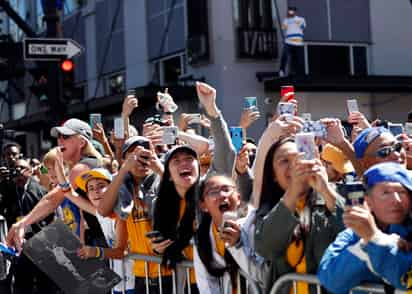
(293, 28)
(122, 267)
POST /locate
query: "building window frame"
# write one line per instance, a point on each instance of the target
(160, 62)
(351, 46)
(108, 81)
(256, 34)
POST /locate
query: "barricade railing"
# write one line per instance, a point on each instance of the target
(181, 275)
(313, 280)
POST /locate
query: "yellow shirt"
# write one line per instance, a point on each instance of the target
(138, 224)
(295, 258)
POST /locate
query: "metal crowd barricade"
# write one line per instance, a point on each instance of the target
(182, 275)
(313, 280)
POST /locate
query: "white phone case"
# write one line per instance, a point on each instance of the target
(305, 142)
(194, 118)
(352, 105)
(118, 128)
(408, 128)
(169, 135)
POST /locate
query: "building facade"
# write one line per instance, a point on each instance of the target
(353, 48)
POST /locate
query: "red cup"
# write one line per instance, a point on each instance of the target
(288, 92)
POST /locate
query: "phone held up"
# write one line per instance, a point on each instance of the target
(236, 134)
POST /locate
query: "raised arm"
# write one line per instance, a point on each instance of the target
(277, 129)
(224, 153)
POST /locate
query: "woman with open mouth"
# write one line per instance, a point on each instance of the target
(175, 207)
(224, 239)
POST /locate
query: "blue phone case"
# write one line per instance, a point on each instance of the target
(7, 250)
(236, 133)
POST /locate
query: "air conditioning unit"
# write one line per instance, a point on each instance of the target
(197, 49)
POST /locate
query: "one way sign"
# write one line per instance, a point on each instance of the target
(50, 49)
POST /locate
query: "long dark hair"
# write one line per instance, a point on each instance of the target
(204, 245)
(166, 215)
(271, 192)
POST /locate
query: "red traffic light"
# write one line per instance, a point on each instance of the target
(67, 65)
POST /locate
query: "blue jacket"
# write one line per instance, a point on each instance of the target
(348, 263)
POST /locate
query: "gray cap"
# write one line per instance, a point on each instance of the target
(133, 141)
(71, 127)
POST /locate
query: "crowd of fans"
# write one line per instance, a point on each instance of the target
(265, 210)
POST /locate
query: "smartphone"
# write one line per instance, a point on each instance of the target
(7, 250)
(305, 143)
(307, 116)
(236, 134)
(131, 92)
(250, 103)
(95, 118)
(288, 92)
(118, 128)
(153, 234)
(395, 129)
(228, 215)
(169, 135)
(286, 108)
(354, 193)
(194, 118)
(352, 105)
(408, 128)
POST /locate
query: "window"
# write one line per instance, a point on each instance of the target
(167, 71)
(197, 31)
(256, 29)
(336, 59)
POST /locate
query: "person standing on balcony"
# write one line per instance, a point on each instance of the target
(293, 27)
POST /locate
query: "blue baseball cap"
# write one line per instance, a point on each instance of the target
(366, 137)
(388, 172)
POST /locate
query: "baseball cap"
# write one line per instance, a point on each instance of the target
(97, 173)
(73, 126)
(180, 148)
(365, 138)
(133, 141)
(387, 172)
(338, 160)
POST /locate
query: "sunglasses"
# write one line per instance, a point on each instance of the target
(386, 151)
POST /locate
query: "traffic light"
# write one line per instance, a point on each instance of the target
(68, 89)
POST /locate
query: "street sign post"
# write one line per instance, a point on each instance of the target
(48, 49)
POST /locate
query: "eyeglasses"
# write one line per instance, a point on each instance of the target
(64, 137)
(217, 191)
(386, 151)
